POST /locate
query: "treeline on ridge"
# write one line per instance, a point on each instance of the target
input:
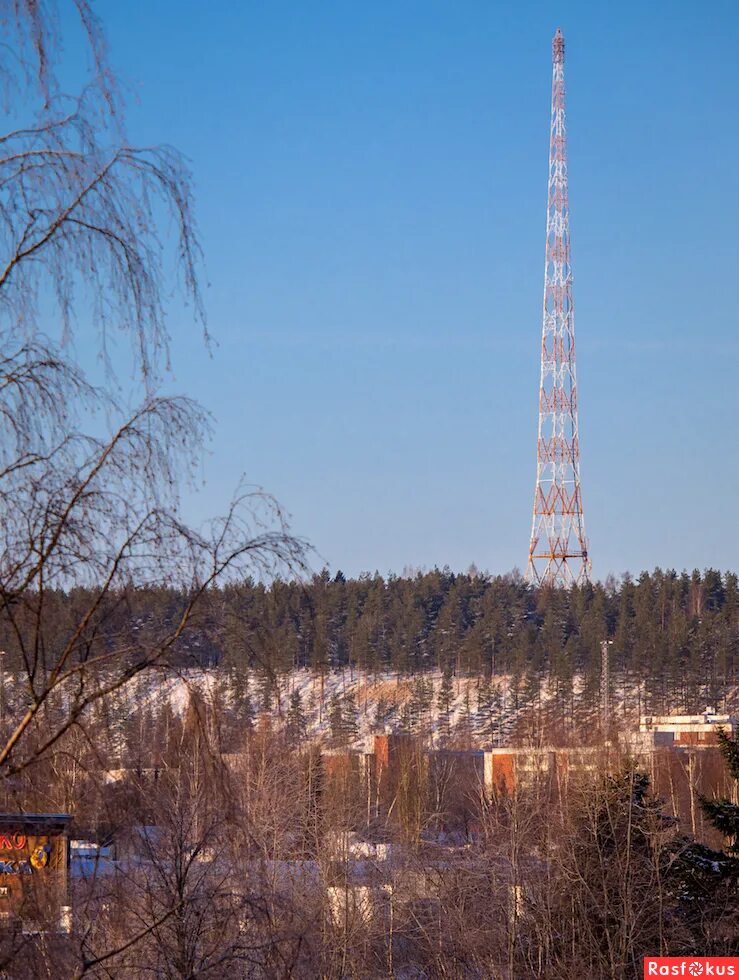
(677, 634)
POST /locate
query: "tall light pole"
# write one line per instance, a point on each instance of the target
(605, 685)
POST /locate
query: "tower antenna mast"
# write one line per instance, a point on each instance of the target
(558, 551)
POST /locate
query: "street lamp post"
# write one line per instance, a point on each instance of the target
(605, 685)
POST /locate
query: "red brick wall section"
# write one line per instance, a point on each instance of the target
(696, 738)
(382, 751)
(504, 772)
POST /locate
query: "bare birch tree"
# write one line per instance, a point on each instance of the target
(88, 491)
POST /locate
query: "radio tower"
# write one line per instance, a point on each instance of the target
(558, 553)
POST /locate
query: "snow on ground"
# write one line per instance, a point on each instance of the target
(368, 693)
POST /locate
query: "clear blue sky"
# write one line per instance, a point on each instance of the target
(371, 188)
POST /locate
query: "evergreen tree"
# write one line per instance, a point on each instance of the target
(336, 719)
(349, 718)
(444, 702)
(383, 712)
(483, 714)
(421, 699)
(297, 724)
(246, 713)
(265, 693)
(464, 729)
(499, 716)
(723, 814)
(416, 703)
(531, 693)
(405, 719)
(484, 694)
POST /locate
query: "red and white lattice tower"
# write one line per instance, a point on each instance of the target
(558, 553)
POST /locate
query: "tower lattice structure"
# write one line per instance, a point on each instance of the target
(558, 552)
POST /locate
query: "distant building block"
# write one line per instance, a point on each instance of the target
(694, 730)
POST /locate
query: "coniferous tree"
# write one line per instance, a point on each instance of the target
(383, 713)
(349, 718)
(723, 813)
(499, 717)
(405, 719)
(531, 693)
(419, 705)
(484, 693)
(464, 727)
(247, 713)
(336, 719)
(444, 703)
(414, 709)
(265, 693)
(296, 725)
(486, 717)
